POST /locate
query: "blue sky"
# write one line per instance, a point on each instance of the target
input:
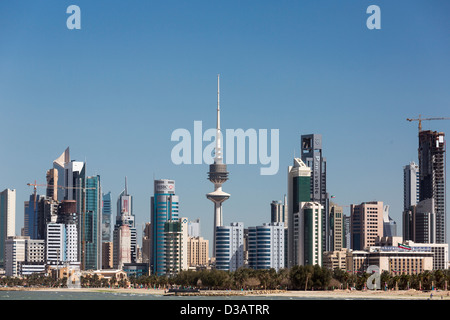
(115, 91)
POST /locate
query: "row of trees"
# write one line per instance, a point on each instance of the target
(296, 278)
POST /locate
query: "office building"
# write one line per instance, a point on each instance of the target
(175, 256)
(307, 242)
(230, 246)
(393, 260)
(218, 175)
(279, 212)
(299, 190)
(107, 255)
(126, 216)
(146, 243)
(24, 256)
(7, 220)
(52, 184)
(56, 244)
(312, 156)
(432, 179)
(194, 228)
(106, 217)
(33, 217)
(69, 177)
(198, 252)
(90, 224)
(420, 222)
(164, 207)
(389, 225)
(347, 232)
(266, 247)
(366, 224)
(14, 255)
(410, 185)
(136, 270)
(337, 236)
(122, 246)
(336, 259)
(439, 250)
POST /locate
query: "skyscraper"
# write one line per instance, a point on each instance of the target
(420, 222)
(266, 246)
(7, 220)
(125, 215)
(432, 170)
(307, 240)
(164, 207)
(337, 227)
(106, 217)
(218, 175)
(90, 223)
(389, 225)
(230, 246)
(176, 243)
(69, 175)
(299, 186)
(279, 212)
(410, 198)
(410, 185)
(52, 184)
(366, 224)
(311, 154)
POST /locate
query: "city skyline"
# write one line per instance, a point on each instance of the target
(115, 90)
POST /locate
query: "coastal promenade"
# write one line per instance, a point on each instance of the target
(280, 294)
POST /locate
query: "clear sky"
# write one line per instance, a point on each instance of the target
(115, 91)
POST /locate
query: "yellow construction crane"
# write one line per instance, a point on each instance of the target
(420, 120)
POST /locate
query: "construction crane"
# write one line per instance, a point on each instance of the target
(420, 119)
(52, 186)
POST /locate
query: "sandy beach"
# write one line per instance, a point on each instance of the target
(331, 294)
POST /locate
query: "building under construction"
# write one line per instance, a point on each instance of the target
(432, 176)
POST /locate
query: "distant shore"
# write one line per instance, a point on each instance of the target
(329, 294)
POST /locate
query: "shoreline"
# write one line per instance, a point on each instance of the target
(331, 294)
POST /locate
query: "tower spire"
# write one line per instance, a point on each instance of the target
(217, 174)
(218, 150)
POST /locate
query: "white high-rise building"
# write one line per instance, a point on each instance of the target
(299, 190)
(14, 255)
(61, 243)
(266, 246)
(7, 220)
(71, 243)
(307, 247)
(230, 246)
(56, 243)
(176, 245)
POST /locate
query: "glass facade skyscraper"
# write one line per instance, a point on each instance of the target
(91, 225)
(164, 208)
(106, 217)
(311, 148)
(299, 186)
